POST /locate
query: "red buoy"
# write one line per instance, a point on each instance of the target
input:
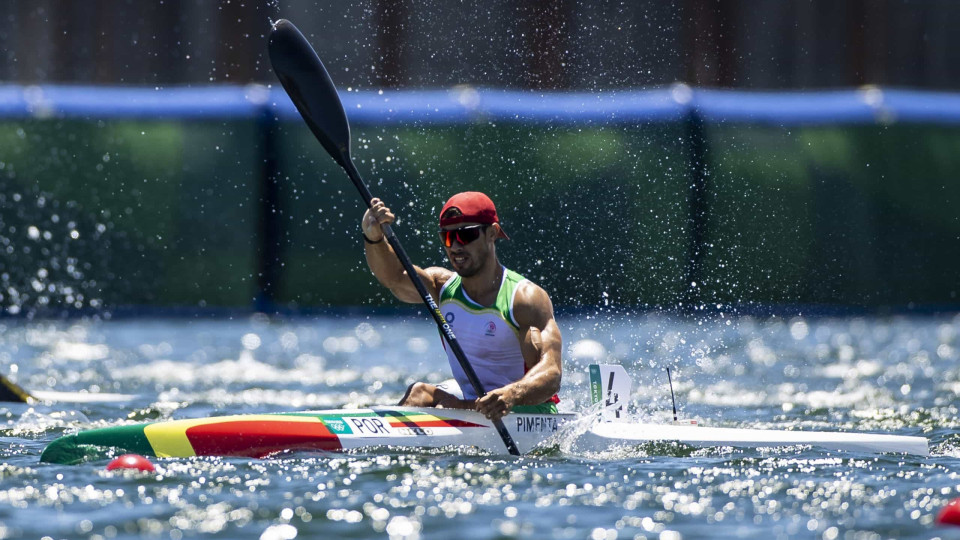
(950, 514)
(131, 461)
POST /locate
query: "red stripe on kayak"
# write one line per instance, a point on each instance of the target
(259, 438)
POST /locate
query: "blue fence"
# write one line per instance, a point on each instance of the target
(460, 105)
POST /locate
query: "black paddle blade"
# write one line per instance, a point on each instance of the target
(9, 391)
(310, 88)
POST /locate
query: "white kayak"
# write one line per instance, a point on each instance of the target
(262, 435)
(415, 427)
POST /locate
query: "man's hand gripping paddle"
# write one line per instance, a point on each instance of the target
(311, 89)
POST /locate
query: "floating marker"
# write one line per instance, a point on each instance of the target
(131, 461)
(950, 514)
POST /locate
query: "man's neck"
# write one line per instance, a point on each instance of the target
(483, 286)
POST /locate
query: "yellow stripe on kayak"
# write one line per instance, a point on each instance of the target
(169, 439)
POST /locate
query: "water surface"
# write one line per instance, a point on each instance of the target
(890, 374)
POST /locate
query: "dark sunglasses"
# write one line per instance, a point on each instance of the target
(464, 236)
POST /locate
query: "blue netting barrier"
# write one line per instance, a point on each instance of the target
(464, 105)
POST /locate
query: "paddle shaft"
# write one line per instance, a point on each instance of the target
(428, 300)
(672, 397)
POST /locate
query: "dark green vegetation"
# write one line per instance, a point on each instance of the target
(165, 213)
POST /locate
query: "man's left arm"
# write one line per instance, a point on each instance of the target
(541, 344)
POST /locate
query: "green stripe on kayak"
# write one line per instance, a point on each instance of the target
(73, 449)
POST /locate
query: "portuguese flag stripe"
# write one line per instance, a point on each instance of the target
(259, 439)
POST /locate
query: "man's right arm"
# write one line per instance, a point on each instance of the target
(385, 265)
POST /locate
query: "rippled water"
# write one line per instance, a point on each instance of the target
(899, 375)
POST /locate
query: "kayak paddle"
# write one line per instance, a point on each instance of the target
(312, 90)
(11, 392)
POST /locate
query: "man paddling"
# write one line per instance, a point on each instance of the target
(504, 322)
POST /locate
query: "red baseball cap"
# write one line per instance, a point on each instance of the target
(474, 207)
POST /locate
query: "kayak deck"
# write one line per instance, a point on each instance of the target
(607, 433)
(259, 436)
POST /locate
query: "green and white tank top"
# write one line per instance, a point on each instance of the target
(489, 335)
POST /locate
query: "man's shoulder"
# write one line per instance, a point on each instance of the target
(440, 272)
(530, 298)
(523, 284)
(519, 281)
(439, 275)
(530, 291)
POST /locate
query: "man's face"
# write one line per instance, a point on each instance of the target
(467, 259)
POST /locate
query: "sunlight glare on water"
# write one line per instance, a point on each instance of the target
(895, 374)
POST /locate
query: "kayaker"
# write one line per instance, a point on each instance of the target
(503, 321)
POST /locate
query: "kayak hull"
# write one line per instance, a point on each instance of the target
(333, 430)
(259, 436)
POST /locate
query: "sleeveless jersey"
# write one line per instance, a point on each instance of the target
(489, 335)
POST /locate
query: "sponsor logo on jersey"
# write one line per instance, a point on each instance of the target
(491, 328)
